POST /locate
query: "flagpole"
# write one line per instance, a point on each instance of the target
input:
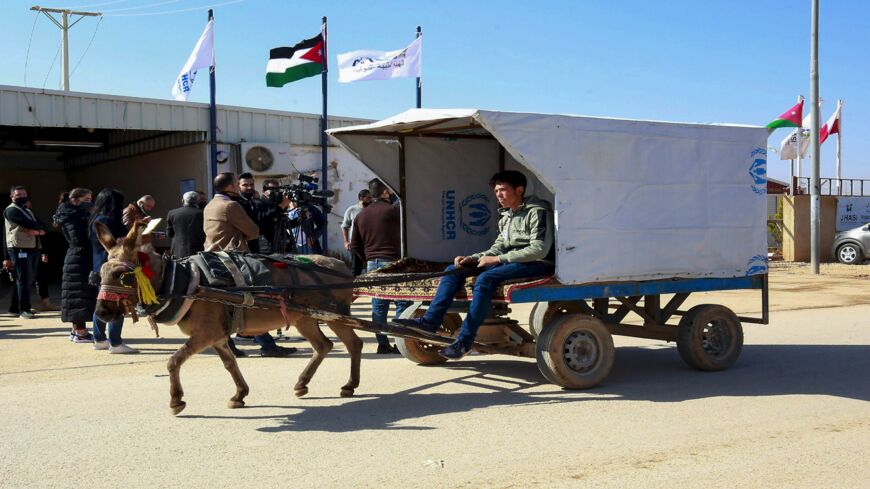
(815, 199)
(839, 122)
(323, 127)
(420, 79)
(212, 118)
(800, 157)
(791, 179)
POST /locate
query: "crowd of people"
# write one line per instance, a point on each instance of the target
(237, 218)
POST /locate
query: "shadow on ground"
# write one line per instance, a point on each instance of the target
(639, 374)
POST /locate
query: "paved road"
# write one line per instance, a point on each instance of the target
(793, 412)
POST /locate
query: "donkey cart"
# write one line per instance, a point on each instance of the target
(646, 213)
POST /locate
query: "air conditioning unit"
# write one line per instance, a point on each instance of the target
(273, 159)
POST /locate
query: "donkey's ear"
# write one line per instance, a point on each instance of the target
(105, 236)
(132, 239)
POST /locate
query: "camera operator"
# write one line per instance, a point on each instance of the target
(307, 237)
(265, 211)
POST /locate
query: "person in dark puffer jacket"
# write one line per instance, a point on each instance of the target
(78, 297)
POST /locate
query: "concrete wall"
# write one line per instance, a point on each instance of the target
(158, 173)
(796, 227)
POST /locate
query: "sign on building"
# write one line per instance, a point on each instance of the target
(852, 212)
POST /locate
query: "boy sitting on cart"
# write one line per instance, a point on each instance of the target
(523, 249)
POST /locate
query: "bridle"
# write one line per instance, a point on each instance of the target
(134, 282)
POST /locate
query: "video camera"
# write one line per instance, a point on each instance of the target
(305, 192)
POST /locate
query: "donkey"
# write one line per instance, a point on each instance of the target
(207, 323)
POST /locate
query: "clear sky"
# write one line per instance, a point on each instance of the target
(743, 61)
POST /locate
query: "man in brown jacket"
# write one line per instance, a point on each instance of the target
(228, 228)
(138, 211)
(226, 224)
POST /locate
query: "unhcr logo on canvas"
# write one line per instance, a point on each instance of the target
(448, 214)
(475, 214)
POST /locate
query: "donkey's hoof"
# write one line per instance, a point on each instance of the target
(235, 404)
(301, 391)
(346, 392)
(178, 407)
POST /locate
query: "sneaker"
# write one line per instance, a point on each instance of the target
(244, 339)
(27, 315)
(122, 349)
(81, 338)
(101, 345)
(419, 325)
(388, 350)
(278, 351)
(455, 351)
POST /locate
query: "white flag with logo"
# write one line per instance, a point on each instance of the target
(382, 65)
(788, 146)
(201, 57)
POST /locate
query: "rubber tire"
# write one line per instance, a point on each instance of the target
(423, 353)
(551, 347)
(544, 312)
(858, 254)
(690, 337)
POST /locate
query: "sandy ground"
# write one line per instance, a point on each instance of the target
(793, 412)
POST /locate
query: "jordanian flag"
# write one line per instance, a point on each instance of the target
(290, 64)
(790, 118)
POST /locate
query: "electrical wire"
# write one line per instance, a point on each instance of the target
(29, 41)
(87, 48)
(139, 7)
(113, 2)
(50, 68)
(166, 12)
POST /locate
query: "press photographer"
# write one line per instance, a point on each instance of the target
(267, 211)
(304, 224)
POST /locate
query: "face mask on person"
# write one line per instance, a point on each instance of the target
(20, 201)
(86, 205)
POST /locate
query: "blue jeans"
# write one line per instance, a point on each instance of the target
(114, 330)
(481, 300)
(25, 261)
(381, 307)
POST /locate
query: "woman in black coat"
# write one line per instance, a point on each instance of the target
(78, 297)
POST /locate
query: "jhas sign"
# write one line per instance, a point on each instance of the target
(471, 215)
(852, 212)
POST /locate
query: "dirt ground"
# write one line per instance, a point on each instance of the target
(793, 412)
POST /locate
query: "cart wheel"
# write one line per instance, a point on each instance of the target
(421, 352)
(710, 337)
(544, 312)
(575, 351)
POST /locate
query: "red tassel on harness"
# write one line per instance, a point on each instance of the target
(145, 263)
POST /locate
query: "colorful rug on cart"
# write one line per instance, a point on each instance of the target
(424, 289)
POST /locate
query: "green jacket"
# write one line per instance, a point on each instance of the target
(525, 235)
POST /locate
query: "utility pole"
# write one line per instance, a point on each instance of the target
(815, 199)
(64, 26)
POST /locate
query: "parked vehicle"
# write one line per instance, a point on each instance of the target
(852, 247)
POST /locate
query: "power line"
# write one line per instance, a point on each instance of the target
(27, 56)
(139, 7)
(166, 12)
(50, 68)
(88, 47)
(113, 2)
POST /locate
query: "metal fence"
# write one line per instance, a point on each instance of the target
(849, 187)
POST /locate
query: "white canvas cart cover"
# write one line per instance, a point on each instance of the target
(634, 200)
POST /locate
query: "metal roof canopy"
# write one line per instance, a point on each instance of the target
(21, 106)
